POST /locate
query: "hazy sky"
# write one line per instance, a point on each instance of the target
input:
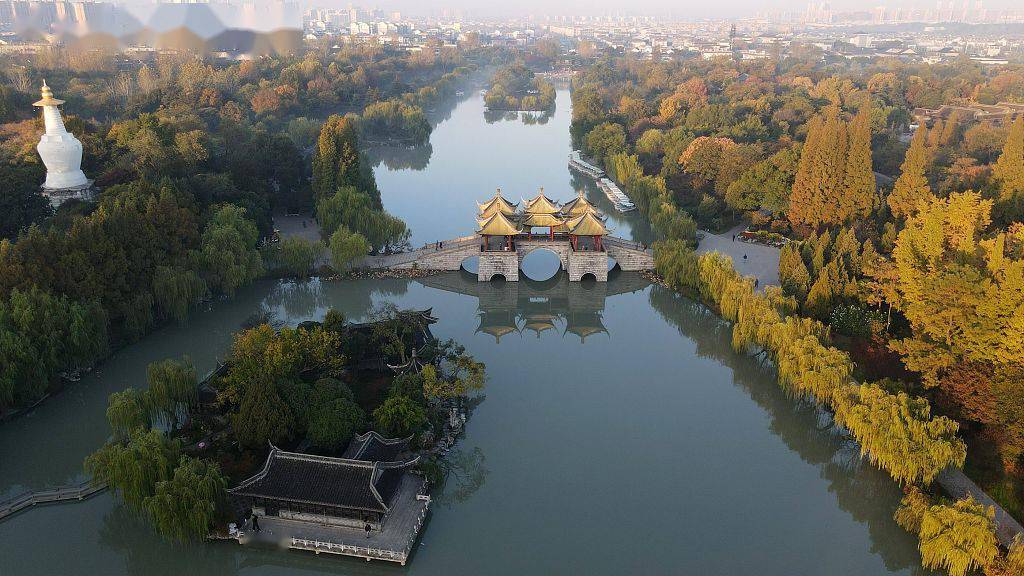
(685, 9)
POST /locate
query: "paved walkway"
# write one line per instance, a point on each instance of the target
(302, 226)
(762, 262)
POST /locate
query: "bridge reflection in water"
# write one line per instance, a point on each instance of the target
(536, 307)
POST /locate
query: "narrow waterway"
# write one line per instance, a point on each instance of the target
(618, 434)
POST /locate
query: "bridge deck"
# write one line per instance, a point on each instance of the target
(449, 254)
(60, 494)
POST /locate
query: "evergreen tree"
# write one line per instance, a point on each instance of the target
(912, 187)
(824, 291)
(337, 161)
(1009, 168)
(793, 272)
(859, 191)
(818, 188)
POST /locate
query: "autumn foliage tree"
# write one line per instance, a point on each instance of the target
(834, 181)
(912, 188)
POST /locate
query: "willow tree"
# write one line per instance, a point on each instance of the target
(184, 507)
(173, 389)
(897, 432)
(134, 468)
(128, 411)
(958, 538)
(911, 188)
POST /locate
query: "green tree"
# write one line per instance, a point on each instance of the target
(262, 415)
(911, 188)
(296, 256)
(133, 469)
(229, 255)
(958, 538)
(399, 416)
(173, 389)
(347, 247)
(604, 141)
(175, 290)
(337, 161)
(184, 507)
(127, 411)
(332, 424)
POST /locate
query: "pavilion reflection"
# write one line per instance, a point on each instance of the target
(531, 307)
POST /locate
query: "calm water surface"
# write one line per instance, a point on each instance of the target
(619, 432)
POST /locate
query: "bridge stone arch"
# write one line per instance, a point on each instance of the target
(560, 249)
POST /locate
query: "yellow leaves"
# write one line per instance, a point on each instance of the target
(897, 433)
(958, 538)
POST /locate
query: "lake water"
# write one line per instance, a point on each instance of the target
(619, 433)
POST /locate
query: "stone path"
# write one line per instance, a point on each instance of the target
(762, 262)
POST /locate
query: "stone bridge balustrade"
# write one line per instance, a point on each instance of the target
(450, 255)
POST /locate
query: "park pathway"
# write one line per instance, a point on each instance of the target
(762, 262)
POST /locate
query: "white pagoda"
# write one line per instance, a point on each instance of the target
(62, 154)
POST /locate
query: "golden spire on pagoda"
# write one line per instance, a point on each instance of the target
(48, 99)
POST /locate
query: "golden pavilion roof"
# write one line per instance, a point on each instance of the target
(541, 204)
(497, 204)
(499, 225)
(579, 205)
(586, 225)
(543, 220)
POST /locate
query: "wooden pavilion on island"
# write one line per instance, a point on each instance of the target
(345, 492)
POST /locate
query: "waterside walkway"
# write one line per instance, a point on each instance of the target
(61, 494)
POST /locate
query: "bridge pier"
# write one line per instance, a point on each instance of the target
(493, 264)
(583, 263)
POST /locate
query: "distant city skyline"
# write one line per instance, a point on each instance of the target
(664, 8)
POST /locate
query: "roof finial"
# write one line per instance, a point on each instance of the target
(48, 99)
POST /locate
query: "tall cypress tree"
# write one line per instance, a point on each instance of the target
(337, 162)
(859, 195)
(912, 187)
(814, 200)
(1009, 169)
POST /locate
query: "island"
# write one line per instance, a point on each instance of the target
(516, 87)
(323, 437)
